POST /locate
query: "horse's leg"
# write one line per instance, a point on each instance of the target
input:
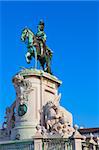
(27, 56)
(48, 68)
(35, 55)
(41, 64)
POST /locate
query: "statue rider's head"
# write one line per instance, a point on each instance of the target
(41, 25)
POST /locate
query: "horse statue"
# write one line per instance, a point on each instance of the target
(34, 50)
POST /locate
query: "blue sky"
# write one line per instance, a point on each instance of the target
(72, 30)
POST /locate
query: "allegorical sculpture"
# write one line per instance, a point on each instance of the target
(37, 48)
(56, 120)
(9, 122)
(23, 88)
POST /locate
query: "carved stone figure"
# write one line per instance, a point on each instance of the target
(41, 130)
(23, 87)
(56, 120)
(10, 120)
(50, 115)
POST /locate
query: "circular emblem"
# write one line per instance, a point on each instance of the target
(22, 109)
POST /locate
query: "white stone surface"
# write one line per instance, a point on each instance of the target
(44, 87)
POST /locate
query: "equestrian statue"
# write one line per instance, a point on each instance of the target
(37, 48)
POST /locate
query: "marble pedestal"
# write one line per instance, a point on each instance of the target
(34, 88)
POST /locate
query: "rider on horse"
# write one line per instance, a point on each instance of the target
(41, 36)
(37, 48)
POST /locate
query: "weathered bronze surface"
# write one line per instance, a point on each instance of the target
(37, 48)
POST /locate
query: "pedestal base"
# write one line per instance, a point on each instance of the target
(34, 88)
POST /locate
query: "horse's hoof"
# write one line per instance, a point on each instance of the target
(27, 61)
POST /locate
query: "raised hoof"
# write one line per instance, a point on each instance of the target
(28, 62)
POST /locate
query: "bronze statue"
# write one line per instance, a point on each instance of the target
(37, 48)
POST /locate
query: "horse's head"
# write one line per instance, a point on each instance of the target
(24, 34)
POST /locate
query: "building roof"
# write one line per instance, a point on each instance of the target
(89, 130)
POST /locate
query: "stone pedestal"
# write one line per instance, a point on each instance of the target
(34, 88)
(77, 139)
(38, 143)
